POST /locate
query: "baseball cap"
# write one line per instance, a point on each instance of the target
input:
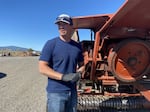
(64, 18)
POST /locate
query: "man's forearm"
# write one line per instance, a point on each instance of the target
(49, 72)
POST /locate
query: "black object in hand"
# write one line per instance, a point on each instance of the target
(72, 77)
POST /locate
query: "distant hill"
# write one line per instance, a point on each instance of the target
(13, 48)
(17, 51)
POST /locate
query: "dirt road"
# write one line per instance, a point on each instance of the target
(22, 87)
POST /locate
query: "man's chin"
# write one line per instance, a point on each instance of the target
(63, 33)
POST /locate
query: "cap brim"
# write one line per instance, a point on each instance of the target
(62, 21)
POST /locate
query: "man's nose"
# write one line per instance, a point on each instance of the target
(61, 27)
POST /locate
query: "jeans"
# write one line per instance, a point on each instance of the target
(62, 102)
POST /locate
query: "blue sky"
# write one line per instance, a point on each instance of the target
(30, 23)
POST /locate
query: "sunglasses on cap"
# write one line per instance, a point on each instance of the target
(64, 19)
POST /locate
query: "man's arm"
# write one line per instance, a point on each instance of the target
(81, 68)
(49, 72)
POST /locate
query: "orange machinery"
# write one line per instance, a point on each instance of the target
(117, 59)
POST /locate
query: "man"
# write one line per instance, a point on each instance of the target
(58, 61)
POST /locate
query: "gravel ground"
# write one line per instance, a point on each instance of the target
(22, 87)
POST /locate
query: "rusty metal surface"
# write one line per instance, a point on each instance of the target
(129, 61)
(144, 87)
(91, 22)
(95, 53)
(132, 19)
(115, 65)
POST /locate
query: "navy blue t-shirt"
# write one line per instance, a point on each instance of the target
(63, 58)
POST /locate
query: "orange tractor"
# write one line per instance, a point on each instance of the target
(117, 59)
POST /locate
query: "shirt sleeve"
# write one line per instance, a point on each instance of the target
(46, 53)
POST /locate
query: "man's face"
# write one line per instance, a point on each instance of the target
(65, 29)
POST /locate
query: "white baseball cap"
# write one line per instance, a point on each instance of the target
(64, 18)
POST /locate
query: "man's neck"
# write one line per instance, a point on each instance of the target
(65, 38)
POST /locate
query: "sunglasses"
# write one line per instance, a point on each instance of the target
(64, 19)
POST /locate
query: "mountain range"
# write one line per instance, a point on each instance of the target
(13, 48)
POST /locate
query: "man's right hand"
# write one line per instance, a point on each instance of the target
(71, 77)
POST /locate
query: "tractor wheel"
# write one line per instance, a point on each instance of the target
(130, 60)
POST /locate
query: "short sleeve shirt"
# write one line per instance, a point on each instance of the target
(63, 58)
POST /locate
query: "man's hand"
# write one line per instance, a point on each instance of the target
(72, 77)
